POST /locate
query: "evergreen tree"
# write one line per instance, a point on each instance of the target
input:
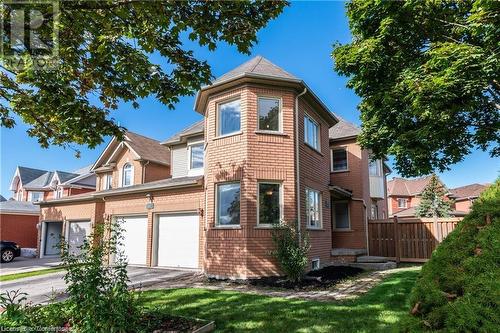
(433, 203)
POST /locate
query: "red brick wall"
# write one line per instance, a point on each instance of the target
(155, 171)
(19, 228)
(393, 202)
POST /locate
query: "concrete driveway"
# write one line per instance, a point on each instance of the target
(23, 264)
(40, 288)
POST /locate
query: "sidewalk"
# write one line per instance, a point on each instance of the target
(24, 265)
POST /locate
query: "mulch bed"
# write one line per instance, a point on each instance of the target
(157, 323)
(321, 279)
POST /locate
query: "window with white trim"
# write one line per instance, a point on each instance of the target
(228, 204)
(59, 192)
(339, 159)
(313, 208)
(36, 196)
(108, 182)
(402, 203)
(311, 132)
(341, 215)
(269, 114)
(269, 203)
(196, 156)
(228, 118)
(375, 168)
(20, 195)
(127, 176)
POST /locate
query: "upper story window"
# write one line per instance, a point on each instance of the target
(269, 114)
(269, 203)
(341, 215)
(196, 156)
(229, 118)
(19, 195)
(127, 175)
(36, 196)
(228, 204)
(58, 192)
(402, 203)
(339, 159)
(375, 168)
(313, 208)
(108, 182)
(311, 132)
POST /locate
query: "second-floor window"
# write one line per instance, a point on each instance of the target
(36, 196)
(311, 132)
(229, 118)
(19, 195)
(127, 175)
(196, 156)
(59, 192)
(375, 168)
(402, 203)
(313, 208)
(228, 204)
(108, 182)
(269, 114)
(339, 159)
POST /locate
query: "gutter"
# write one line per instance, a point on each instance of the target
(297, 162)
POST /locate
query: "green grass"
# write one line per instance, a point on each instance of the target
(16, 276)
(379, 310)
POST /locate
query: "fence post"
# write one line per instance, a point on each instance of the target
(396, 240)
(437, 231)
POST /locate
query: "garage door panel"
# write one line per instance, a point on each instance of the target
(134, 242)
(78, 232)
(178, 240)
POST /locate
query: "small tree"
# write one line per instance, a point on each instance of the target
(290, 252)
(433, 203)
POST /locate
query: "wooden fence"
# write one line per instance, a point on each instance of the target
(407, 239)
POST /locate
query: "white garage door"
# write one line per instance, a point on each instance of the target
(178, 240)
(77, 233)
(134, 243)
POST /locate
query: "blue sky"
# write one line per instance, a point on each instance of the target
(300, 41)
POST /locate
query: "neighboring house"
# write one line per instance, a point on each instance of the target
(33, 185)
(261, 155)
(358, 190)
(464, 196)
(18, 222)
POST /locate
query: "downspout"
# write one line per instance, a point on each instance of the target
(297, 163)
(144, 171)
(366, 222)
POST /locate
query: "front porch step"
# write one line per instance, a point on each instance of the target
(371, 259)
(374, 266)
(348, 252)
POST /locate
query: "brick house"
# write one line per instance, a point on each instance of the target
(464, 196)
(18, 221)
(261, 154)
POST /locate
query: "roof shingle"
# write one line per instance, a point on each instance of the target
(468, 191)
(343, 129)
(407, 187)
(147, 148)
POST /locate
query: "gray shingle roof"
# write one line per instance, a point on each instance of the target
(343, 129)
(2, 198)
(29, 174)
(18, 206)
(84, 170)
(258, 65)
(148, 149)
(196, 128)
(41, 181)
(65, 176)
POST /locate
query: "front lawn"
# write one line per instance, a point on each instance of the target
(379, 310)
(15, 276)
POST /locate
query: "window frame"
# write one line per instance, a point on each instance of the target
(269, 182)
(346, 159)
(217, 118)
(216, 201)
(320, 210)
(318, 132)
(379, 168)
(33, 192)
(374, 209)
(108, 181)
(190, 152)
(280, 117)
(131, 174)
(348, 215)
(59, 192)
(405, 201)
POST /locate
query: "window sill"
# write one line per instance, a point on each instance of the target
(264, 132)
(340, 171)
(228, 135)
(314, 149)
(219, 227)
(264, 226)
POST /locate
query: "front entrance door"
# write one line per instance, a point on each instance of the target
(53, 232)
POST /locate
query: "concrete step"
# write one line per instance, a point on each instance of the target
(370, 259)
(348, 252)
(374, 266)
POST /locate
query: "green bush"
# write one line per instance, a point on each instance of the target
(290, 253)
(459, 287)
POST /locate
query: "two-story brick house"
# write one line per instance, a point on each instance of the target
(260, 155)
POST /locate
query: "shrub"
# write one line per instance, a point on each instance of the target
(290, 253)
(99, 299)
(459, 287)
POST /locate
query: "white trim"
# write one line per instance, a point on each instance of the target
(272, 182)
(131, 174)
(30, 195)
(108, 181)
(217, 112)
(334, 202)
(19, 183)
(195, 171)
(216, 201)
(405, 200)
(102, 154)
(318, 137)
(344, 148)
(280, 120)
(320, 204)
